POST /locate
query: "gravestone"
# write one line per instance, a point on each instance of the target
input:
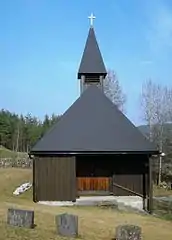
(20, 218)
(128, 232)
(67, 225)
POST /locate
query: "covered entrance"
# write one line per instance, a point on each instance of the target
(111, 175)
(94, 174)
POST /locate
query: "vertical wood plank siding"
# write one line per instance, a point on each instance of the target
(150, 188)
(63, 178)
(93, 183)
(133, 182)
(55, 179)
(33, 181)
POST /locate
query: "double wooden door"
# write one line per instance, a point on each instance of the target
(93, 184)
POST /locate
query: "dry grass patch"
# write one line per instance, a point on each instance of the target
(94, 222)
(159, 191)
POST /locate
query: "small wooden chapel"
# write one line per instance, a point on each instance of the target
(94, 149)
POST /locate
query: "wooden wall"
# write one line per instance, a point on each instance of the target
(127, 181)
(54, 179)
(132, 175)
(90, 184)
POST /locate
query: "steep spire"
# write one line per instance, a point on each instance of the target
(92, 61)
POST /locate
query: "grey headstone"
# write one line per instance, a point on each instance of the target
(128, 232)
(20, 218)
(67, 225)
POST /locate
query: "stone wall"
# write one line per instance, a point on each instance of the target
(16, 162)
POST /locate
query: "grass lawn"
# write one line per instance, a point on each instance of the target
(94, 222)
(162, 192)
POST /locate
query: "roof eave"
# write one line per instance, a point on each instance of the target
(80, 73)
(148, 152)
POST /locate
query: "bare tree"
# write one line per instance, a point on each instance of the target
(170, 105)
(114, 91)
(148, 105)
(156, 112)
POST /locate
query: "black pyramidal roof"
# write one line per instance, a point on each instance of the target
(92, 61)
(93, 124)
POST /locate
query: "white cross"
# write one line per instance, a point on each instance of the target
(91, 17)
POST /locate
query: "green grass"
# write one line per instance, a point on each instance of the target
(94, 222)
(163, 209)
(6, 153)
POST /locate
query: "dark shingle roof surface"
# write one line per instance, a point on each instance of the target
(92, 61)
(93, 124)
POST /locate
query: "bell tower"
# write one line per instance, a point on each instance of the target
(92, 69)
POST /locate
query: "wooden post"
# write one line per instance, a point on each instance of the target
(77, 189)
(33, 180)
(150, 188)
(113, 187)
(144, 189)
(82, 84)
(110, 185)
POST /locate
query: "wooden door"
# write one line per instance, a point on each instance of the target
(93, 183)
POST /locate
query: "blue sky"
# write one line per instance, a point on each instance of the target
(42, 41)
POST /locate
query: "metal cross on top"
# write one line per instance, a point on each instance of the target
(91, 17)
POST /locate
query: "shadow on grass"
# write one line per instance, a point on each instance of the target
(163, 209)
